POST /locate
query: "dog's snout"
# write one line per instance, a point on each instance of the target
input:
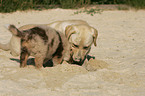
(78, 59)
(77, 56)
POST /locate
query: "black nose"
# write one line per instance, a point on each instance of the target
(78, 59)
(79, 62)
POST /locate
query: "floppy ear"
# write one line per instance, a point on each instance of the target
(13, 30)
(69, 30)
(95, 35)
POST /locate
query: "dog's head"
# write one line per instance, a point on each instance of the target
(81, 38)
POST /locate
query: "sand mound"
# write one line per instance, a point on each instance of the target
(93, 65)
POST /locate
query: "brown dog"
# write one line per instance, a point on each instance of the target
(42, 42)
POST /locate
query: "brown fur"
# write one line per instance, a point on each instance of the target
(42, 42)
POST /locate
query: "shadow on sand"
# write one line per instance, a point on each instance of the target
(30, 61)
(49, 63)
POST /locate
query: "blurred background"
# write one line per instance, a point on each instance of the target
(14, 5)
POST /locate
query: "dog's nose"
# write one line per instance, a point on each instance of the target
(78, 59)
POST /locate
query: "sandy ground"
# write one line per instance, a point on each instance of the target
(119, 67)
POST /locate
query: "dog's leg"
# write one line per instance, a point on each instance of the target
(14, 53)
(24, 57)
(39, 62)
(57, 60)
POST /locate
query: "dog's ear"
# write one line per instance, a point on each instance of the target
(69, 30)
(95, 35)
(13, 30)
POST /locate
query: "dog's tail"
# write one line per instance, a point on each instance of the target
(15, 31)
(5, 46)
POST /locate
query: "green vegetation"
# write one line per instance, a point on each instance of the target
(13, 5)
(139, 4)
(73, 3)
(91, 11)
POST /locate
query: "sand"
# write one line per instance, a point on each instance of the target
(117, 70)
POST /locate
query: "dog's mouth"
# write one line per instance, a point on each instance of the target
(78, 62)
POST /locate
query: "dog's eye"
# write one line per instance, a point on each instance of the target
(85, 47)
(74, 45)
